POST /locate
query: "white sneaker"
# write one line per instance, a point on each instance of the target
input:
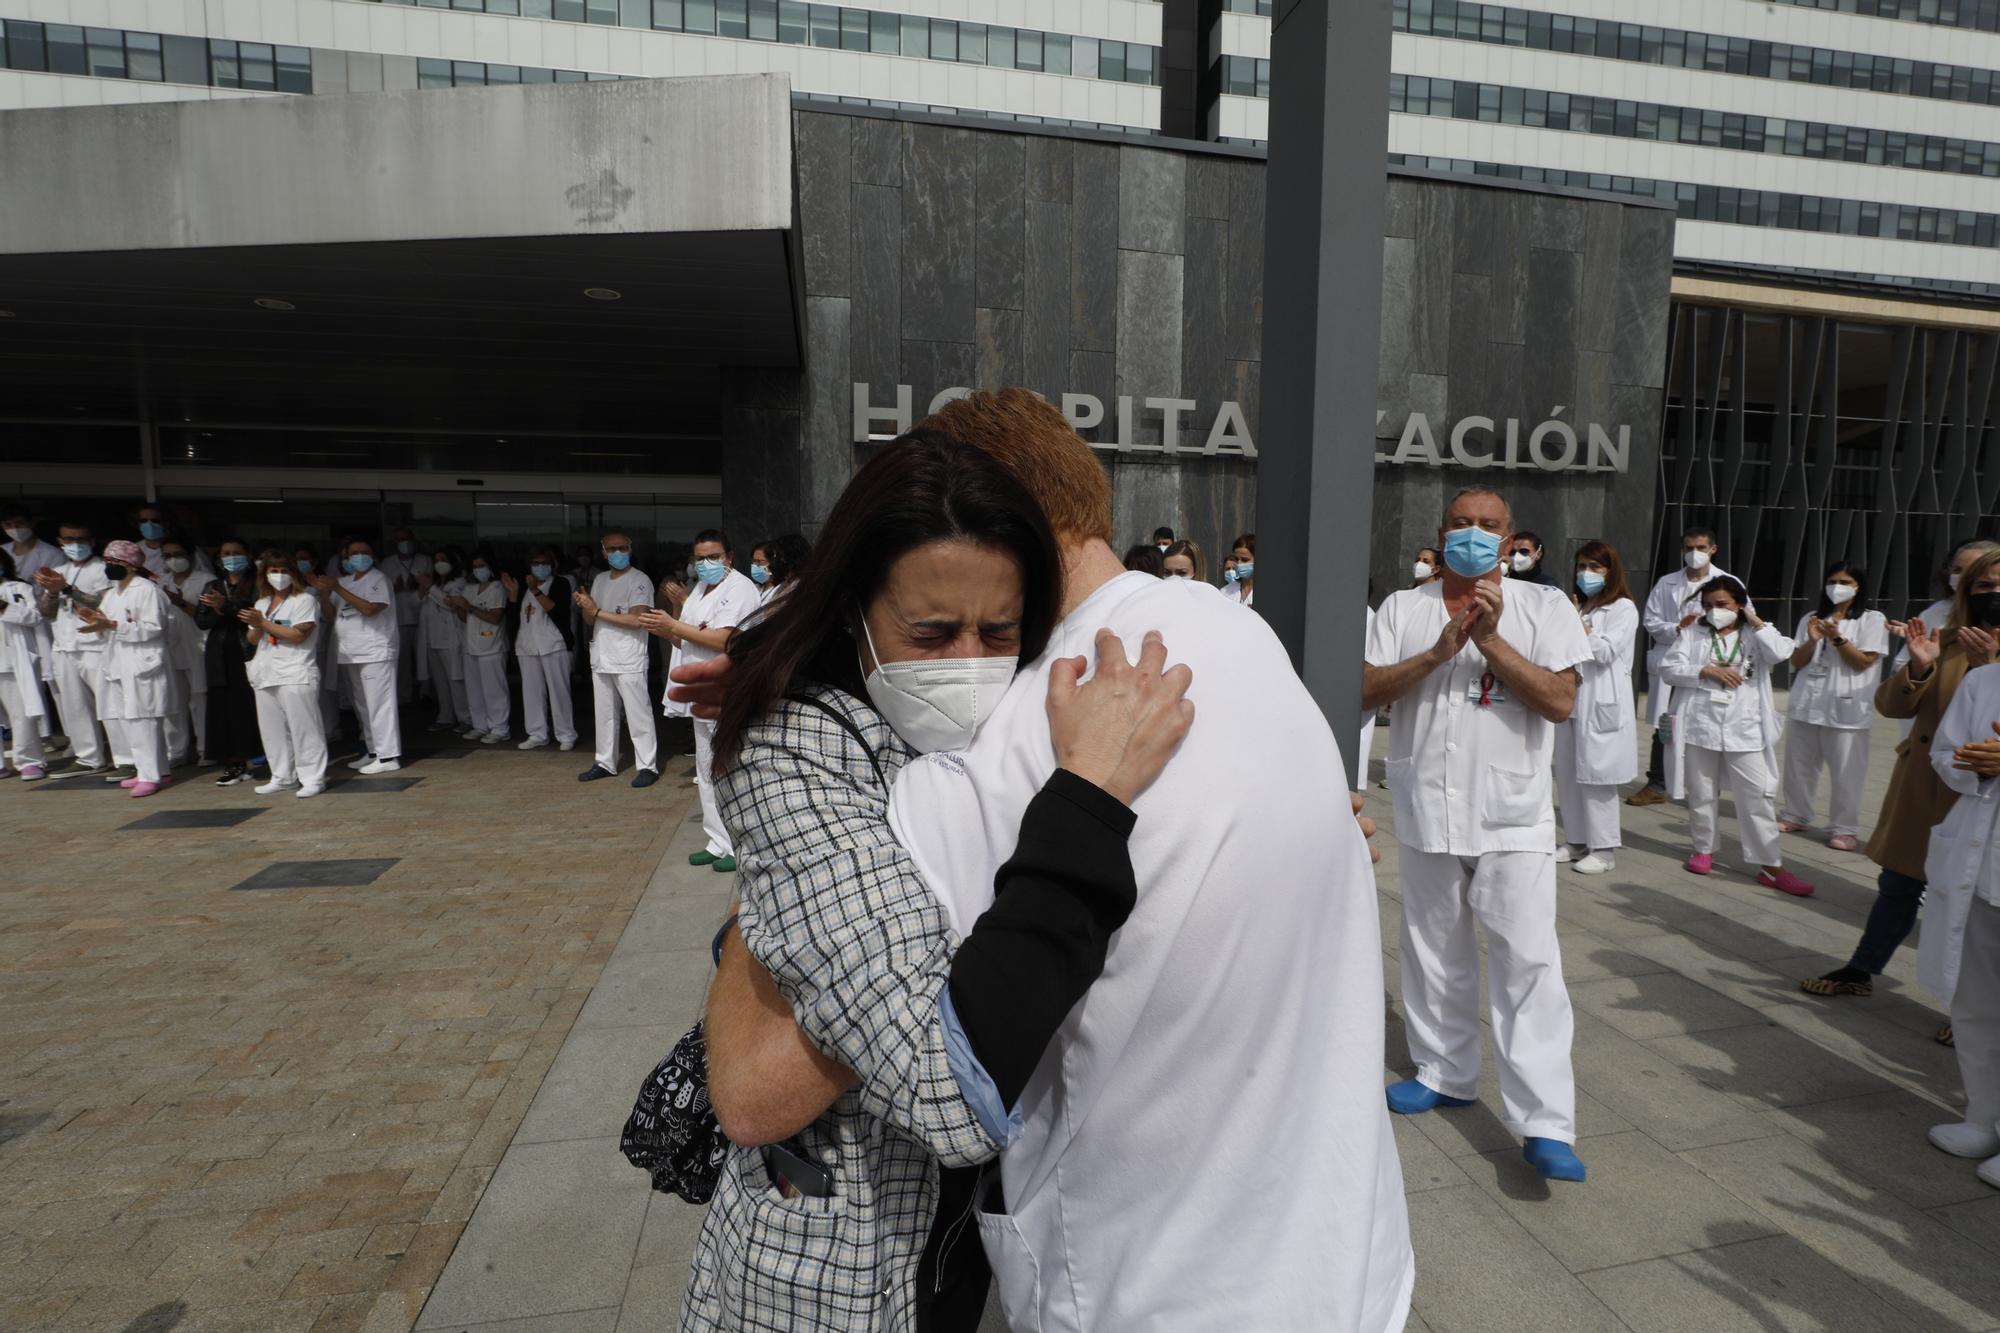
(1562, 854)
(493, 738)
(361, 761)
(1593, 865)
(273, 787)
(305, 792)
(470, 734)
(531, 744)
(382, 766)
(567, 746)
(1963, 1140)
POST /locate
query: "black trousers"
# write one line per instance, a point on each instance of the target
(953, 1276)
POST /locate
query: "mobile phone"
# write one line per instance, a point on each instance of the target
(795, 1173)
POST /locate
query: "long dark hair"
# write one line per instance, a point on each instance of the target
(926, 487)
(787, 556)
(1600, 552)
(1860, 576)
(1737, 592)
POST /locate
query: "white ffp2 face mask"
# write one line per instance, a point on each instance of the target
(1721, 617)
(1840, 594)
(1695, 560)
(936, 704)
(1421, 571)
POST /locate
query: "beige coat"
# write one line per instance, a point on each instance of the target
(1916, 800)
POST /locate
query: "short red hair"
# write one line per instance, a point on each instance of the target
(1037, 444)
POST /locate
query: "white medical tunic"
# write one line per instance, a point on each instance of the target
(1603, 728)
(133, 683)
(1673, 598)
(484, 638)
(86, 577)
(1469, 764)
(614, 649)
(362, 638)
(278, 662)
(1205, 1143)
(1717, 717)
(731, 602)
(1826, 691)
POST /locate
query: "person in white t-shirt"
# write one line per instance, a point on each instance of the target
(619, 645)
(364, 606)
(1291, 1215)
(1480, 672)
(1724, 721)
(183, 585)
(1831, 709)
(401, 565)
(63, 592)
(29, 552)
(483, 606)
(698, 623)
(134, 688)
(1671, 607)
(542, 646)
(279, 628)
(444, 639)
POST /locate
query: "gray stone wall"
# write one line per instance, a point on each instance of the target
(938, 255)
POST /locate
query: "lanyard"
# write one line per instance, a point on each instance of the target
(277, 600)
(1715, 650)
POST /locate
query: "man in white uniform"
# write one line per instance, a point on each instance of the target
(401, 566)
(78, 581)
(1480, 671)
(31, 554)
(365, 644)
(698, 623)
(1201, 1147)
(153, 541)
(1673, 605)
(618, 648)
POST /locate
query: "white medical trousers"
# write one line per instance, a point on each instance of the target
(1750, 783)
(545, 693)
(1513, 895)
(711, 814)
(453, 707)
(76, 700)
(1589, 809)
(27, 730)
(188, 702)
(624, 692)
(1808, 748)
(1975, 1015)
(143, 742)
(486, 690)
(288, 721)
(373, 687)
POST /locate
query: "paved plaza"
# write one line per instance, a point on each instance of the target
(394, 1104)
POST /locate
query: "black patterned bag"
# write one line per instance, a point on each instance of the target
(672, 1133)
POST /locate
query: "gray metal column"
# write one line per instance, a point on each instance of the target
(1327, 185)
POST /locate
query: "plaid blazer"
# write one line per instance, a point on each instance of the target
(862, 948)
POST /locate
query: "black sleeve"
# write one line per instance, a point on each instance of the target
(1031, 956)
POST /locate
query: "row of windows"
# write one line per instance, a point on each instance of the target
(1646, 44)
(1757, 208)
(1497, 104)
(1263, 7)
(474, 74)
(801, 24)
(109, 53)
(971, 113)
(1981, 14)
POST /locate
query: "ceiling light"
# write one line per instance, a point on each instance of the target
(272, 303)
(602, 294)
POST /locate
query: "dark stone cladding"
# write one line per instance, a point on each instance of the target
(937, 252)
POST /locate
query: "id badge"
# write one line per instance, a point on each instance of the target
(1488, 691)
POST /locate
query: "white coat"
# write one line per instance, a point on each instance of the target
(1957, 859)
(23, 651)
(1603, 728)
(1826, 691)
(136, 680)
(1672, 598)
(1681, 670)
(185, 639)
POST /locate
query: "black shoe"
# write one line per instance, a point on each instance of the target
(593, 773)
(645, 777)
(232, 775)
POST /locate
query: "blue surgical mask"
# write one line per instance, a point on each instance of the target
(619, 559)
(1245, 572)
(1590, 583)
(305, 565)
(236, 564)
(1471, 552)
(406, 548)
(710, 572)
(760, 574)
(360, 564)
(1230, 575)
(482, 573)
(152, 532)
(77, 550)
(541, 571)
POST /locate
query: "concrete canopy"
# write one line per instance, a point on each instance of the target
(435, 248)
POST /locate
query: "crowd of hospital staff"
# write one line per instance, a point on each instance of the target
(154, 654)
